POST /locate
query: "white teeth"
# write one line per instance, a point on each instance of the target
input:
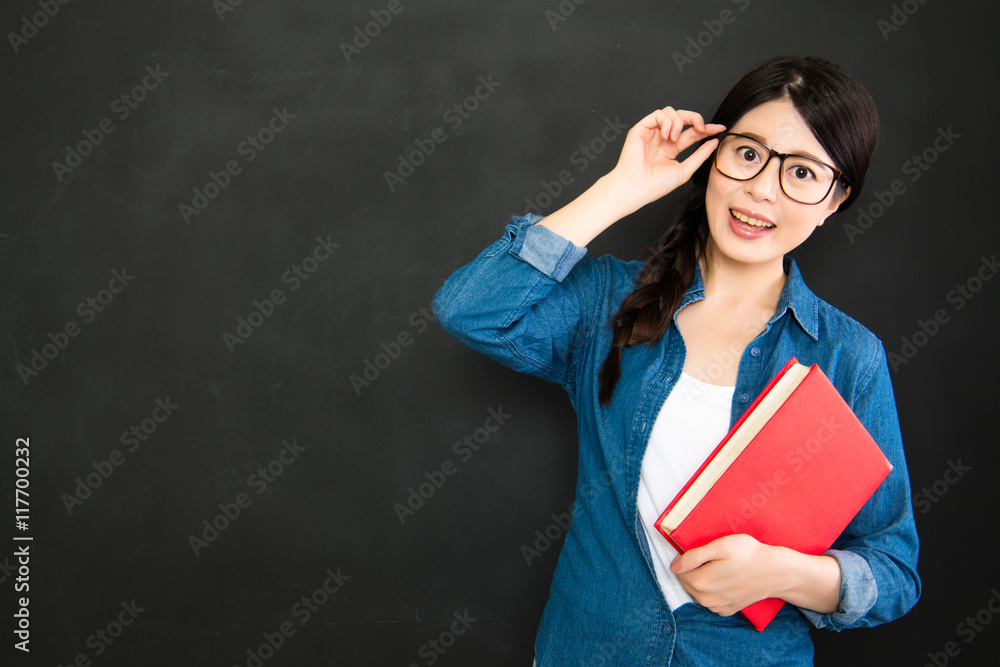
(750, 221)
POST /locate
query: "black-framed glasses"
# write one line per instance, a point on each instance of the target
(803, 179)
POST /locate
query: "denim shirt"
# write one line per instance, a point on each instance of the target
(533, 302)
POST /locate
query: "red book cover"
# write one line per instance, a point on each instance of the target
(798, 483)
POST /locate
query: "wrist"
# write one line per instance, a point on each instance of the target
(785, 573)
(625, 192)
(810, 582)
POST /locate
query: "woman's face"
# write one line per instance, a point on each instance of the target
(777, 124)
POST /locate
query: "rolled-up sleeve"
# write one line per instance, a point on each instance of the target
(545, 250)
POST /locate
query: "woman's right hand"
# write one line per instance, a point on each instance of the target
(648, 161)
(647, 169)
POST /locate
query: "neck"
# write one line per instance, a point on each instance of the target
(741, 284)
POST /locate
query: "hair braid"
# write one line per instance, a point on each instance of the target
(647, 311)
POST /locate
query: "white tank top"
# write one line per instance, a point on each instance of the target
(693, 420)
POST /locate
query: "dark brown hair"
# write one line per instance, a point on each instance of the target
(842, 116)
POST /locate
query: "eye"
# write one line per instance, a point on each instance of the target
(802, 173)
(748, 154)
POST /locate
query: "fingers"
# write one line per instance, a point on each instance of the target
(675, 124)
(680, 565)
(669, 124)
(718, 549)
(696, 159)
(673, 121)
(693, 558)
(693, 134)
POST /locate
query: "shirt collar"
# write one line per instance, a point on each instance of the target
(795, 296)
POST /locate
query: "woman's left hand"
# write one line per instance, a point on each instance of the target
(730, 573)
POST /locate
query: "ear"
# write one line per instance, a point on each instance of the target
(835, 202)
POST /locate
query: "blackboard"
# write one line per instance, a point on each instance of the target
(248, 441)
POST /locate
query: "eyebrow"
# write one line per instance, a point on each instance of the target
(757, 137)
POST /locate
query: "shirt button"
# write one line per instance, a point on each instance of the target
(668, 629)
(744, 398)
(754, 351)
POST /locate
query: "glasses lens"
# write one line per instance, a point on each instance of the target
(803, 179)
(739, 157)
(806, 180)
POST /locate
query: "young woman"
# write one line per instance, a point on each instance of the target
(661, 357)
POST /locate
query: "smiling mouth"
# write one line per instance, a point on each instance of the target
(752, 222)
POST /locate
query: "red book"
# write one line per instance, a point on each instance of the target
(792, 472)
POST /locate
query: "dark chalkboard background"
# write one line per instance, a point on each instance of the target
(327, 122)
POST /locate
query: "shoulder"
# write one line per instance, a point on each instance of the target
(848, 349)
(609, 277)
(619, 271)
(824, 321)
(854, 345)
(833, 321)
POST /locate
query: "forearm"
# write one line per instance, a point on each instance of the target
(810, 582)
(608, 200)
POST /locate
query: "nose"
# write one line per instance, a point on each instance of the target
(766, 185)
